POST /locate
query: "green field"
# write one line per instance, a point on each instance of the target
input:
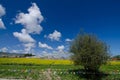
(43, 69)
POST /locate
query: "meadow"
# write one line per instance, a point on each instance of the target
(47, 69)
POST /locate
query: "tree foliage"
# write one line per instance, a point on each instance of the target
(89, 51)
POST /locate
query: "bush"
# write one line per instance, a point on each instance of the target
(89, 52)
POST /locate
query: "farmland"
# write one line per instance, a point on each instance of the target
(34, 61)
(45, 69)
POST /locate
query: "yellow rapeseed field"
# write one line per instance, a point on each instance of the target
(114, 62)
(36, 61)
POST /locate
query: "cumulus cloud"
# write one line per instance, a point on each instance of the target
(61, 48)
(68, 40)
(55, 35)
(2, 26)
(26, 39)
(17, 51)
(44, 52)
(55, 55)
(28, 47)
(4, 49)
(44, 45)
(2, 10)
(23, 36)
(2, 13)
(31, 20)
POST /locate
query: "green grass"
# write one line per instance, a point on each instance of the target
(33, 71)
(41, 69)
(36, 72)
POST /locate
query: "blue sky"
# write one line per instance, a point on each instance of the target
(46, 27)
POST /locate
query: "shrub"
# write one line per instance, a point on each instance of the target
(89, 52)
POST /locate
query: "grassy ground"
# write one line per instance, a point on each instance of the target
(61, 71)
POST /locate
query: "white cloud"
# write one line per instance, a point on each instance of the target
(31, 20)
(68, 40)
(2, 12)
(14, 51)
(2, 26)
(28, 47)
(55, 35)
(61, 48)
(23, 36)
(26, 39)
(44, 45)
(17, 51)
(55, 55)
(44, 52)
(4, 49)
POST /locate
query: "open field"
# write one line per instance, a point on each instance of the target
(34, 61)
(42, 69)
(38, 61)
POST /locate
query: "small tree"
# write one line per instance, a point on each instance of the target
(89, 52)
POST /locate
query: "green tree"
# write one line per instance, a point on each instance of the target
(89, 52)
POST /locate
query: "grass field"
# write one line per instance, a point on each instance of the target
(43, 69)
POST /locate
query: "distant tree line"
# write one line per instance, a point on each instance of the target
(28, 55)
(117, 57)
(15, 55)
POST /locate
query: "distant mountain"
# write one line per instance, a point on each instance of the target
(6, 54)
